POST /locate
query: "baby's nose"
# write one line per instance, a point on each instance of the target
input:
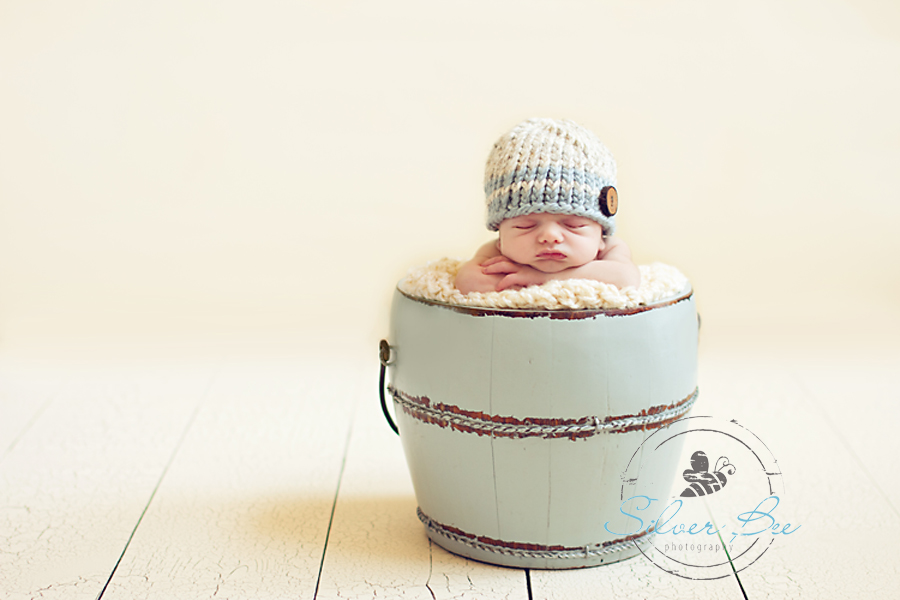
(550, 233)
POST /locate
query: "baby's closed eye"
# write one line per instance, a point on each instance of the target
(579, 224)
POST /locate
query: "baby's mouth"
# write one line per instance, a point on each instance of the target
(553, 255)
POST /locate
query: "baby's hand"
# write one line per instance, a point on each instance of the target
(500, 265)
(515, 275)
(525, 277)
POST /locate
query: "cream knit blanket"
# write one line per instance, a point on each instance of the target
(434, 281)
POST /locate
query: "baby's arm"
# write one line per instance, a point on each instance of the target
(472, 278)
(613, 265)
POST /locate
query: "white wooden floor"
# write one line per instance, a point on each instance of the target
(276, 477)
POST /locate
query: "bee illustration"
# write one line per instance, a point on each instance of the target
(701, 482)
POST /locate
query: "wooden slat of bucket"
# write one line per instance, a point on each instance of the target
(520, 496)
(591, 467)
(377, 546)
(455, 475)
(604, 365)
(518, 348)
(250, 494)
(459, 364)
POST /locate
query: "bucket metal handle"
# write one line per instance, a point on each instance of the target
(384, 357)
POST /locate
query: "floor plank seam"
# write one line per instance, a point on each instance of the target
(712, 518)
(337, 493)
(430, 568)
(27, 428)
(810, 397)
(731, 563)
(159, 482)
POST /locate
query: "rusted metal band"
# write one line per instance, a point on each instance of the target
(527, 550)
(424, 409)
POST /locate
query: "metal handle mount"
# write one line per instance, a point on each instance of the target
(384, 357)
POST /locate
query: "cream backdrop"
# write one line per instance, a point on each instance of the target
(223, 169)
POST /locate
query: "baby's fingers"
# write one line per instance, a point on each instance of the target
(510, 282)
(500, 268)
(493, 259)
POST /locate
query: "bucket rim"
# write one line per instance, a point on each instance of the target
(566, 314)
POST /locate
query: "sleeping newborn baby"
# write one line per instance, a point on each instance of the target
(551, 194)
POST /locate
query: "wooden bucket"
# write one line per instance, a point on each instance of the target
(518, 425)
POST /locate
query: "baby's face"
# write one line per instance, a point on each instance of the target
(551, 243)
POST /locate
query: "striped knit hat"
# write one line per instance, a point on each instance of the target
(550, 166)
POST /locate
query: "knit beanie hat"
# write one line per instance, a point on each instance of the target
(550, 166)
